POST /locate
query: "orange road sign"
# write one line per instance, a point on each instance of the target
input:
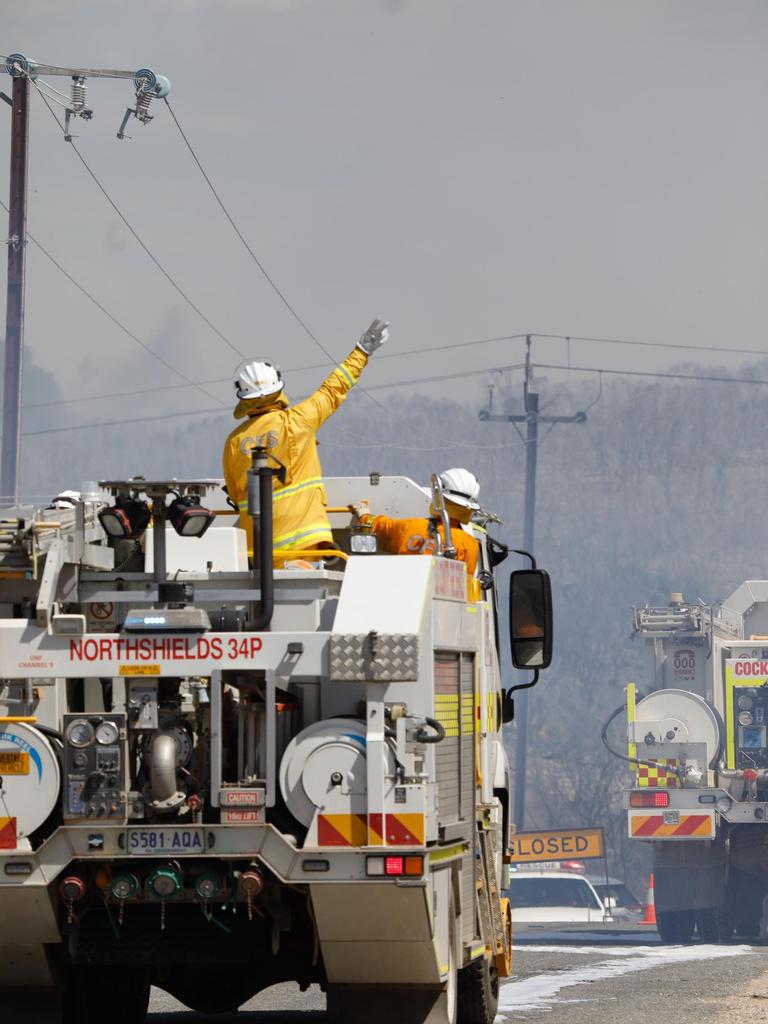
(561, 844)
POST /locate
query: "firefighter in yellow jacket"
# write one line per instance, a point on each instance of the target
(300, 519)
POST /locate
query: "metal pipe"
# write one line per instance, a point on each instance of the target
(438, 501)
(260, 511)
(158, 539)
(162, 767)
(531, 452)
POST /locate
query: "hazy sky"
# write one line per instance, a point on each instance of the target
(466, 168)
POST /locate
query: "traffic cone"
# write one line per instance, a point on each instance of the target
(649, 917)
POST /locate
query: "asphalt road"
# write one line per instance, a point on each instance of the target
(574, 977)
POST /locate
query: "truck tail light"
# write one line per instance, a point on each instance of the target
(394, 866)
(649, 798)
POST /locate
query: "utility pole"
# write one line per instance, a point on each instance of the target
(532, 418)
(24, 72)
(14, 317)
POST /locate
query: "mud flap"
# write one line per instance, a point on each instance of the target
(689, 876)
(385, 1004)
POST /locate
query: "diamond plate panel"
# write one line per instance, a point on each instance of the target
(380, 657)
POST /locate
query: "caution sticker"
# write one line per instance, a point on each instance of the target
(140, 670)
(14, 762)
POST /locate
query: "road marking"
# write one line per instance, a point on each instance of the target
(541, 991)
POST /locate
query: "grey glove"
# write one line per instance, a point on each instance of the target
(374, 337)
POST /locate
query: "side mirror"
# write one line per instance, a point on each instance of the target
(530, 618)
(610, 903)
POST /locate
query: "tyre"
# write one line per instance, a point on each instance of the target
(478, 992)
(708, 925)
(675, 927)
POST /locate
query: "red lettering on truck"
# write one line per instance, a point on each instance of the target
(159, 649)
(747, 667)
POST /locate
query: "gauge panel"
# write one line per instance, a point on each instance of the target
(95, 767)
(750, 713)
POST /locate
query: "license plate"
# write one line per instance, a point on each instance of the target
(12, 763)
(164, 842)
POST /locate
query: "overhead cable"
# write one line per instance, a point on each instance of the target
(448, 445)
(171, 280)
(227, 380)
(653, 344)
(116, 322)
(281, 295)
(653, 373)
(267, 276)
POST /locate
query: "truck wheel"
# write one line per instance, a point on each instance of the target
(478, 992)
(99, 994)
(708, 925)
(675, 926)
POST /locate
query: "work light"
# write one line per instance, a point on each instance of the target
(128, 517)
(188, 517)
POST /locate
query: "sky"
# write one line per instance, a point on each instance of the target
(468, 169)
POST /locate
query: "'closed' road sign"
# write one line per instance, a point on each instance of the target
(562, 844)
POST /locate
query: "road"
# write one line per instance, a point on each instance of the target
(574, 977)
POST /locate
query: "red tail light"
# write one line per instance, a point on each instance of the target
(649, 798)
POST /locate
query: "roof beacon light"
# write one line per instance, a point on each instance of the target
(127, 518)
(188, 517)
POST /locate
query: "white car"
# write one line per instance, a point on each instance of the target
(542, 897)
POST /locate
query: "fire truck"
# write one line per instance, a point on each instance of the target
(698, 746)
(220, 772)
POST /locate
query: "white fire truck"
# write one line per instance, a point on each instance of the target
(698, 744)
(216, 775)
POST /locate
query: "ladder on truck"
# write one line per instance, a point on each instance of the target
(494, 930)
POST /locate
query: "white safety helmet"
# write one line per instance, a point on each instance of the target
(65, 499)
(254, 379)
(461, 487)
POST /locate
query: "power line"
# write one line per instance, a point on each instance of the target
(430, 380)
(227, 380)
(652, 373)
(655, 344)
(449, 445)
(268, 277)
(115, 321)
(136, 235)
(291, 309)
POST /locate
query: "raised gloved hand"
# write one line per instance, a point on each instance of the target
(374, 337)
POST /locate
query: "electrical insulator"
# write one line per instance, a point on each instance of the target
(77, 105)
(149, 86)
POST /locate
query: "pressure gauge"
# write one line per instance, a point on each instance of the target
(746, 718)
(80, 733)
(107, 733)
(745, 702)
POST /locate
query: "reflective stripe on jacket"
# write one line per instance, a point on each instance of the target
(414, 537)
(300, 519)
